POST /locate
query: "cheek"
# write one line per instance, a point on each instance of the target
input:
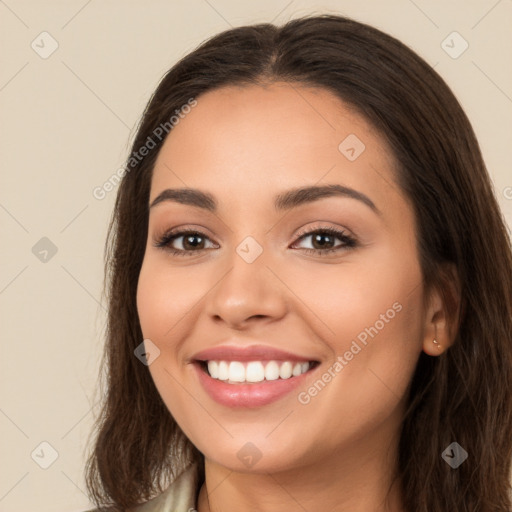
(165, 306)
(370, 293)
(373, 311)
(164, 298)
(366, 382)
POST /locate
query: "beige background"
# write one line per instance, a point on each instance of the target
(66, 123)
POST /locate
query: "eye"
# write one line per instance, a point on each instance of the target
(323, 240)
(192, 241)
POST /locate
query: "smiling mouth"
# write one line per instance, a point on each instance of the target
(253, 372)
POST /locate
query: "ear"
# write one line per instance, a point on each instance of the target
(442, 312)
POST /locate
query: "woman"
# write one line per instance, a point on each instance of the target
(310, 287)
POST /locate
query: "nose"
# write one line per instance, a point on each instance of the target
(247, 293)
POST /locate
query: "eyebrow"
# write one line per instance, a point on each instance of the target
(284, 201)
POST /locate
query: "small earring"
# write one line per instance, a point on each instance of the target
(436, 343)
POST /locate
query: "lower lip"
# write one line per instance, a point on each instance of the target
(248, 395)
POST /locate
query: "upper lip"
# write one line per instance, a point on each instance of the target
(249, 353)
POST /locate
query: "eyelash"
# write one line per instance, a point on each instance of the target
(348, 241)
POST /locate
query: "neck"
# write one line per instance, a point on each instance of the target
(355, 478)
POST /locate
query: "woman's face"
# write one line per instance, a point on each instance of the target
(331, 279)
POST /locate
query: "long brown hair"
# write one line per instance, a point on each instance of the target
(464, 395)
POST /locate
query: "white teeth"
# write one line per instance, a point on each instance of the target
(255, 371)
(297, 370)
(236, 371)
(223, 371)
(285, 372)
(213, 369)
(272, 371)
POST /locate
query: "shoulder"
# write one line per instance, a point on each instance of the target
(180, 496)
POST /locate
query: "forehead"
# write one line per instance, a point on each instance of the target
(250, 139)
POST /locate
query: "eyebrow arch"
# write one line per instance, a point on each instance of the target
(284, 201)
